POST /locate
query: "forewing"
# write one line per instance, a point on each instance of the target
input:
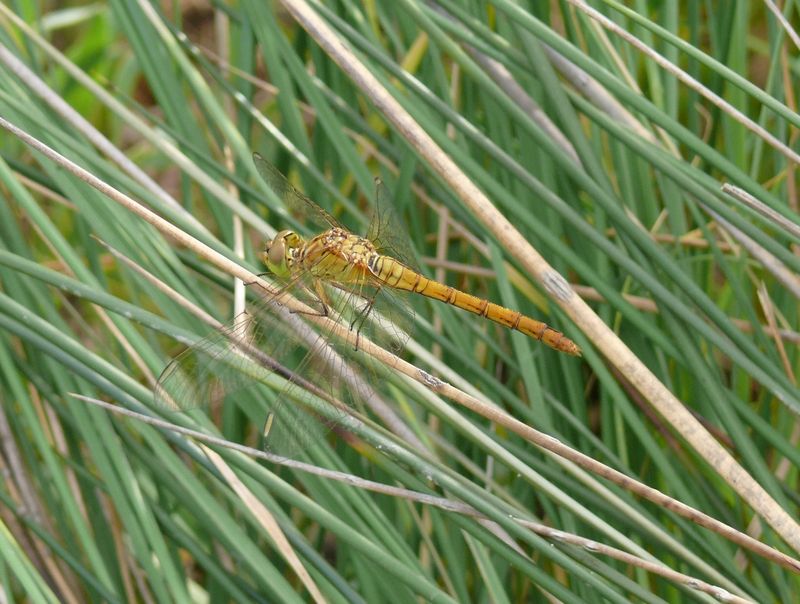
(298, 204)
(231, 357)
(316, 388)
(205, 372)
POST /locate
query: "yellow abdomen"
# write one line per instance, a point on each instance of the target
(395, 274)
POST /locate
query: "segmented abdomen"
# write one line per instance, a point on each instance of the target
(395, 274)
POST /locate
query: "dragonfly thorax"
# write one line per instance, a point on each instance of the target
(337, 255)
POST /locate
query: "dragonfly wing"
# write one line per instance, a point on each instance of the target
(218, 365)
(390, 236)
(387, 230)
(314, 400)
(381, 314)
(298, 204)
(395, 310)
(269, 344)
(230, 358)
(333, 374)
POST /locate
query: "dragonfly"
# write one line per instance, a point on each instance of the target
(339, 275)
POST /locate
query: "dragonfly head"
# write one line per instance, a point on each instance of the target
(280, 252)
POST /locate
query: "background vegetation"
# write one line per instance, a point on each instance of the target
(603, 137)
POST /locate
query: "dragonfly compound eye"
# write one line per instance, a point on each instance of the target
(275, 254)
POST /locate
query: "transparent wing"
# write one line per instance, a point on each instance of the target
(228, 359)
(389, 234)
(310, 380)
(320, 396)
(342, 376)
(387, 231)
(298, 204)
(216, 366)
(380, 314)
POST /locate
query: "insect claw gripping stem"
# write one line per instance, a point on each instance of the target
(361, 319)
(324, 312)
(358, 332)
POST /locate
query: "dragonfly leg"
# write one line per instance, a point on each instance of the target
(259, 275)
(323, 312)
(362, 315)
(318, 296)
